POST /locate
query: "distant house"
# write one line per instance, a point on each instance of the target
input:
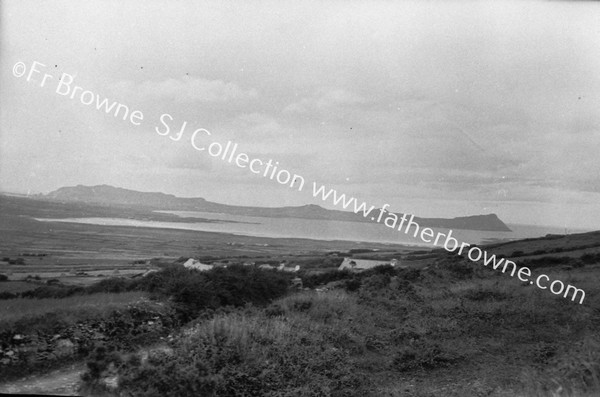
(266, 267)
(364, 264)
(195, 264)
(283, 268)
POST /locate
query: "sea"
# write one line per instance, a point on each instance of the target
(315, 229)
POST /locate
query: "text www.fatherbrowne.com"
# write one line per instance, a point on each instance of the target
(65, 86)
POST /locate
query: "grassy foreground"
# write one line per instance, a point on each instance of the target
(454, 329)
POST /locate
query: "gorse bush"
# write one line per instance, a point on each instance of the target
(313, 280)
(237, 355)
(192, 292)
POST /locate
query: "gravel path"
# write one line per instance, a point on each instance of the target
(63, 381)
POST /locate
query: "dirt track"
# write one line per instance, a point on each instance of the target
(64, 381)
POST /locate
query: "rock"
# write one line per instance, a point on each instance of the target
(64, 347)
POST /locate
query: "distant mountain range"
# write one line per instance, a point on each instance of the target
(111, 196)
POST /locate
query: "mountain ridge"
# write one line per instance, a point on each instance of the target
(110, 195)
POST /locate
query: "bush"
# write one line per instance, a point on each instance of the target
(352, 285)
(409, 274)
(388, 270)
(192, 291)
(316, 279)
(113, 285)
(375, 282)
(3, 277)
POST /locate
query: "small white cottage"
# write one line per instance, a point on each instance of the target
(196, 264)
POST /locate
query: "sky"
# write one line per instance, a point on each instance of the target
(438, 108)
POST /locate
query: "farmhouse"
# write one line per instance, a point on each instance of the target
(266, 267)
(283, 268)
(195, 264)
(364, 264)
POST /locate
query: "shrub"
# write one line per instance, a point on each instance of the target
(113, 285)
(409, 274)
(388, 270)
(375, 282)
(192, 291)
(313, 280)
(352, 285)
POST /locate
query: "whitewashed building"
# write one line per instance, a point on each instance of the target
(364, 264)
(196, 264)
(283, 268)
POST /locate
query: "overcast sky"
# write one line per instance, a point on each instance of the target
(439, 108)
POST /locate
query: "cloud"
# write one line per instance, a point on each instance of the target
(326, 99)
(253, 127)
(186, 89)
